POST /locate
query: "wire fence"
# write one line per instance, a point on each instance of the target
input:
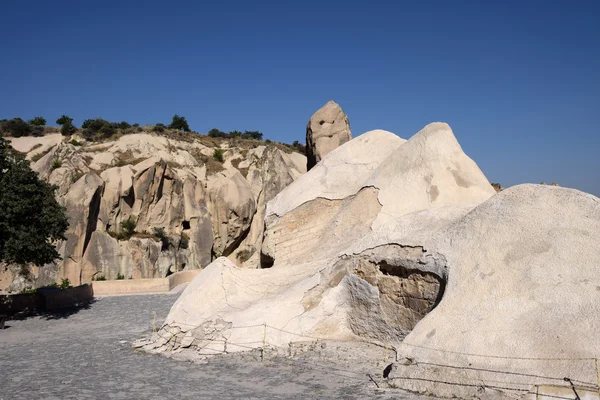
(170, 335)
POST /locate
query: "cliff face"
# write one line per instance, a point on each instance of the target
(185, 206)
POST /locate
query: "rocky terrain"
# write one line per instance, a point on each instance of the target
(405, 243)
(145, 205)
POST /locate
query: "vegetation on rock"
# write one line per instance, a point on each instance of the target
(218, 155)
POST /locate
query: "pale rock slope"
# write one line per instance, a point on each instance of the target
(482, 295)
(310, 224)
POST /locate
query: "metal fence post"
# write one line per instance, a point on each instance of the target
(262, 356)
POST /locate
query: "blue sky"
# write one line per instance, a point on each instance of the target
(518, 81)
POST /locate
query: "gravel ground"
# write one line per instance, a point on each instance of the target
(88, 355)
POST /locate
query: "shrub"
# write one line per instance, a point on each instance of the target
(99, 126)
(235, 133)
(120, 276)
(15, 127)
(68, 129)
(56, 163)
(124, 125)
(128, 227)
(159, 127)
(64, 120)
(98, 277)
(37, 121)
(164, 239)
(74, 142)
(252, 135)
(65, 283)
(185, 241)
(179, 123)
(300, 148)
(107, 131)
(37, 131)
(217, 133)
(136, 125)
(218, 155)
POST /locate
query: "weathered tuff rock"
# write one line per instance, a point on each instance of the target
(327, 129)
(311, 284)
(160, 183)
(415, 242)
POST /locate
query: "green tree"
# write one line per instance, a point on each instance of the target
(63, 120)
(68, 128)
(67, 125)
(38, 121)
(179, 123)
(31, 218)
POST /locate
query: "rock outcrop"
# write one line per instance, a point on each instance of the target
(311, 284)
(326, 130)
(187, 208)
(406, 242)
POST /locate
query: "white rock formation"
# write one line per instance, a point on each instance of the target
(386, 238)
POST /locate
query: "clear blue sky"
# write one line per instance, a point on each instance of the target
(519, 82)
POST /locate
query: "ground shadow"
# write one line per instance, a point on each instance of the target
(62, 313)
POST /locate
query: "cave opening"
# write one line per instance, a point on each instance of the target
(266, 261)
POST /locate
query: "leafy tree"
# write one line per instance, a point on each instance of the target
(38, 121)
(68, 128)
(235, 133)
(67, 125)
(124, 125)
(179, 123)
(63, 120)
(31, 218)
